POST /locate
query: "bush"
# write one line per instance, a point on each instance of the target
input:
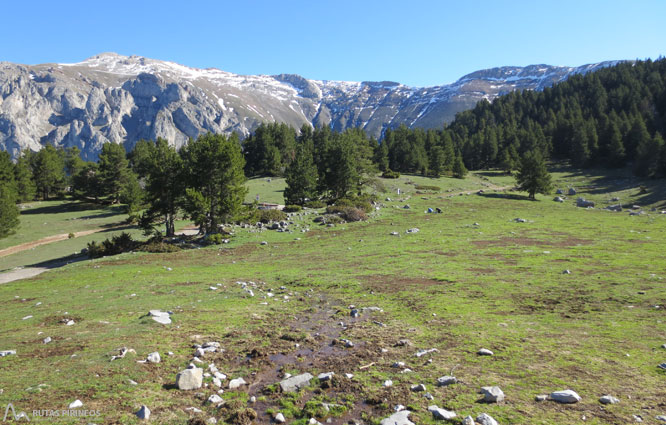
(388, 174)
(292, 208)
(116, 245)
(215, 239)
(157, 246)
(315, 204)
(427, 188)
(354, 214)
(71, 235)
(266, 216)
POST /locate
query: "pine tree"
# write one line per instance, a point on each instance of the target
(215, 180)
(113, 170)
(25, 186)
(459, 171)
(301, 178)
(533, 176)
(648, 156)
(616, 152)
(164, 185)
(9, 212)
(437, 158)
(48, 170)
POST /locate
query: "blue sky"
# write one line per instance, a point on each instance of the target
(414, 42)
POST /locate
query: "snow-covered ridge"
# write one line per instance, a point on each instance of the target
(122, 99)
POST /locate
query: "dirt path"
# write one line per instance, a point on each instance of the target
(44, 241)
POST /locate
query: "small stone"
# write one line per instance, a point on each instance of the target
(214, 399)
(418, 388)
(637, 418)
(27, 317)
(7, 353)
(609, 399)
(486, 419)
(446, 380)
(388, 383)
(154, 357)
(567, 271)
(236, 383)
(217, 382)
(326, 376)
(295, 383)
(211, 421)
(75, 404)
(484, 352)
(253, 399)
(143, 413)
(428, 396)
(131, 382)
(354, 312)
(70, 323)
(661, 418)
(398, 418)
(541, 397)
(565, 396)
(264, 243)
(47, 340)
(279, 418)
(492, 394)
(439, 413)
(398, 364)
(468, 420)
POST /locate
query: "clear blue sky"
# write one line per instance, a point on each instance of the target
(414, 42)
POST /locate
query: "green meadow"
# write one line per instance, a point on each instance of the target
(471, 277)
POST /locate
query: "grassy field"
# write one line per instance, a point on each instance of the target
(470, 278)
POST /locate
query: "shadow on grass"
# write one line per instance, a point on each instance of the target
(59, 262)
(62, 208)
(512, 196)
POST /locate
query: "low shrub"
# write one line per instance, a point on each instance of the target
(157, 246)
(116, 245)
(266, 216)
(71, 235)
(388, 174)
(215, 239)
(292, 208)
(315, 204)
(353, 214)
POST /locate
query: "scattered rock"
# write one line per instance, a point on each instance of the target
(47, 340)
(609, 399)
(214, 399)
(486, 419)
(153, 357)
(468, 421)
(565, 396)
(295, 383)
(413, 230)
(236, 383)
(388, 383)
(7, 353)
(567, 271)
(484, 352)
(583, 203)
(446, 380)
(492, 394)
(143, 413)
(27, 317)
(422, 353)
(398, 418)
(189, 379)
(572, 191)
(520, 220)
(558, 199)
(279, 418)
(75, 404)
(662, 366)
(70, 323)
(661, 418)
(541, 397)
(327, 376)
(439, 413)
(160, 316)
(354, 313)
(418, 388)
(264, 243)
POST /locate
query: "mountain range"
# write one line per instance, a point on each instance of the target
(123, 99)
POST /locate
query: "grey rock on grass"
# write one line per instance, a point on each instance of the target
(609, 399)
(190, 379)
(143, 413)
(439, 413)
(398, 418)
(486, 419)
(295, 383)
(565, 396)
(492, 394)
(446, 380)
